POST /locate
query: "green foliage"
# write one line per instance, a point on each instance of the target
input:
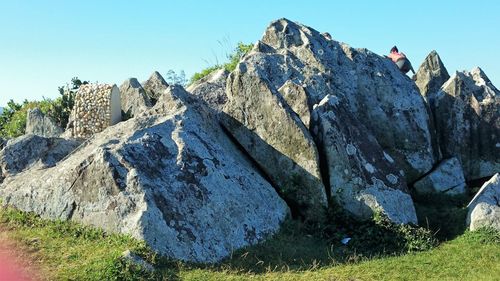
(172, 78)
(13, 118)
(233, 59)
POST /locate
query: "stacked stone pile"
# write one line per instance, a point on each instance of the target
(97, 106)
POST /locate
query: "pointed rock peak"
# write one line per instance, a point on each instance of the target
(479, 76)
(431, 75)
(155, 81)
(131, 83)
(434, 63)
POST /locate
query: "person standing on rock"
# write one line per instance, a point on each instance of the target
(400, 59)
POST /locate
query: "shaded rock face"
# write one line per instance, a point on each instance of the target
(211, 89)
(371, 86)
(431, 75)
(468, 122)
(169, 176)
(484, 209)
(155, 86)
(447, 178)
(363, 178)
(32, 151)
(39, 124)
(134, 100)
(261, 121)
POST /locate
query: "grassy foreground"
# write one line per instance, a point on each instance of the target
(68, 251)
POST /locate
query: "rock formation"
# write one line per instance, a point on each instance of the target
(468, 122)
(134, 100)
(362, 177)
(33, 152)
(169, 176)
(155, 86)
(97, 106)
(211, 89)
(447, 178)
(39, 124)
(431, 75)
(484, 209)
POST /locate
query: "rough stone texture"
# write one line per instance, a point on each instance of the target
(97, 106)
(39, 124)
(296, 97)
(484, 209)
(169, 176)
(32, 151)
(273, 135)
(211, 89)
(447, 178)
(371, 86)
(362, 177)
(134, 100)
(431, 75)
(2, 143)
(155, 86)
(468, 122)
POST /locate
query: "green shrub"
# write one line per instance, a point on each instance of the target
(233, 60)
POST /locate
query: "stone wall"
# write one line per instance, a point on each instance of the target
(97, 106)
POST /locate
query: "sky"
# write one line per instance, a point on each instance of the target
(43, 44)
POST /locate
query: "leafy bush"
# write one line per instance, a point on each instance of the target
(13, 117)
(240, 51)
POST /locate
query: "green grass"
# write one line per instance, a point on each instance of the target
(378, 251)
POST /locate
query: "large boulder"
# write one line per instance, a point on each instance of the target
(155, 86)
(362, 177)
(261, 121)
(211, 89)
(39, 124)
(33, 151)
(431, 75)
(169, 176)
(468, 122)
(448, 178)
(371, 86)
(134, 100)
(484, 209)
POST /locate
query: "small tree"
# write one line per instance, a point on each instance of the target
(62, 106)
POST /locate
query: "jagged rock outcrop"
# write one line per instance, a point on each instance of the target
(261, 121)
(431, 75)
(362, 177)
(134, 100)
(371, 86)
(169, 176)
(39, 124)
(2, 143)
(155, 86)
(33, 152)
(447, 178)
(484, 209)
(211, 89)
(468, 122)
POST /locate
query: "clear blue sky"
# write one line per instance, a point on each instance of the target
(45, 43)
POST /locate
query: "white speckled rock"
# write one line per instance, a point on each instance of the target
(467, 115)
(33, 152)
(169, 176)
(371, 87)
(484, 209)
(447, 178)
(363, 178)
(39, 124)
(211, 89)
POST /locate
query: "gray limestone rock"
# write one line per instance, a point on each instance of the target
(484, 209)
(467, 115)
(447, 178)
(134, 100)
(169, 176)
(39, 124)
(431, 75)
(211, 89)
(363, 179)
(33, 152)
(155, 86)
